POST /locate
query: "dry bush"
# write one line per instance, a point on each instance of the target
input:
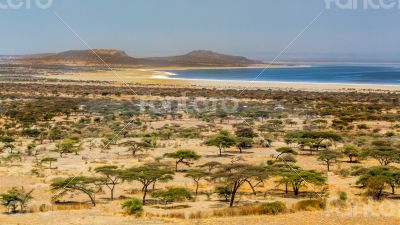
(271, 208)
(311, 205)
(177, 215)
(66, 207)
(199, 215)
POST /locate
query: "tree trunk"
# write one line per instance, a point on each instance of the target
(252, 188)
(197, 188)
(92, 198)
(112, 193)
(144, 195)
(235, 188)
(232, 199)
(295, 190)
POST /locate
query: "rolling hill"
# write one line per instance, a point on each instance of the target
(199, 58)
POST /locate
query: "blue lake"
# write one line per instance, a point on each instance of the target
(312, 74)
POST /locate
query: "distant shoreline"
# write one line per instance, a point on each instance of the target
(158, 76)
(276, 82)
(167, 74)
(282, 85)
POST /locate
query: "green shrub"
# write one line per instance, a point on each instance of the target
(343, 196)
(362, 126)
(273, 208)
(343, 172)
(173, 194)
(390, 134)
(311, 205)
(133, 206)
(223, 191)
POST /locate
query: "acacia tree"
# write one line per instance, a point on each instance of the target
(49, 160)
(86, 185)
(147, 175)
(328, 157)
(351, 152)
(314, 139)
(183, 157)
(112, 177)
(196, 176)
(68, 146)
(8, 143)
(136, 147)
(375, 179)
(173, 194)
(299, 178)
(285, 150)
(14, 197)
(385, 155)
(233, 176)
(244, 143)
(245, 132)
(210, 165)
(222, 140)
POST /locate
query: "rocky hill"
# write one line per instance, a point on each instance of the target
(112, 57)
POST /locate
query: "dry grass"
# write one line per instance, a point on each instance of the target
(272, 208)
(310, 205)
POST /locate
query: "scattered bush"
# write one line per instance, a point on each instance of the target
(173, 194)
(343, 172)
(273, 208)
(362, 126)
(311, 205)
(343, 196)
(133, 206)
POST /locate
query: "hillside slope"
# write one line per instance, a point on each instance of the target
(112, 57)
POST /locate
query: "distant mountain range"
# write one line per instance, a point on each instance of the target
(199, 58)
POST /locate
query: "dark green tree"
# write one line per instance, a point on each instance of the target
(146, 175)
(222, 140)
(299, 177)
(183, 157)
(112, 176)
(196, 176)
(328, 157)
(87, 185)
(49, 160)
(233, 176)
(173, 194)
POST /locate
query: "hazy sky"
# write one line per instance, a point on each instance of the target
(254, 28)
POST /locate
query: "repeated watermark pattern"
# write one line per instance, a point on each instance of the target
(363, 208)
(25, 4)
(362, 4)
(189, 105)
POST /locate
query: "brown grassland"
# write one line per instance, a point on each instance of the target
(78, 145)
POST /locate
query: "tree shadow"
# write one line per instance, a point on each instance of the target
(218, 156)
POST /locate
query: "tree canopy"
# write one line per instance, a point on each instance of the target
(183, 157)
(146, 175)
(222, 140)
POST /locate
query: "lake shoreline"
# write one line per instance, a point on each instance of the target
(157, 76)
